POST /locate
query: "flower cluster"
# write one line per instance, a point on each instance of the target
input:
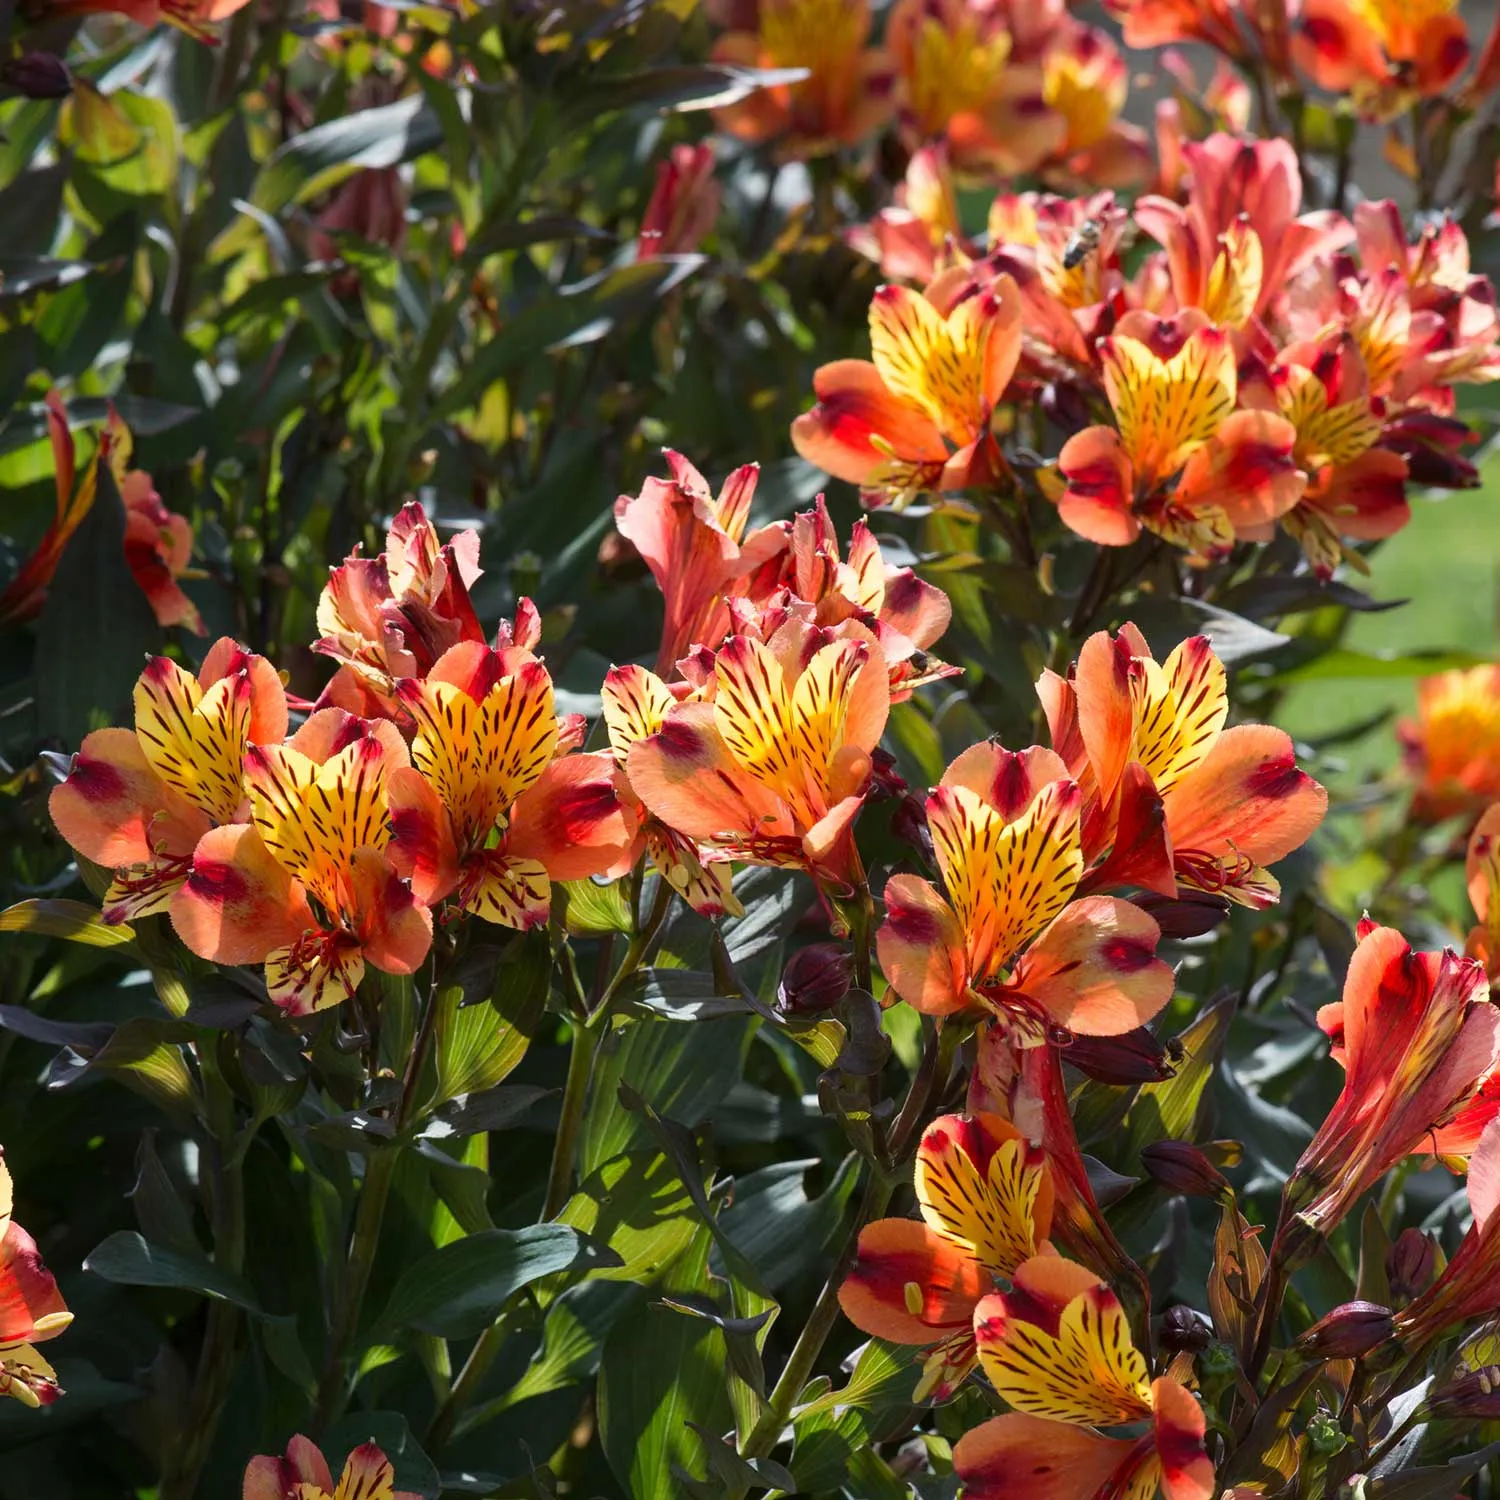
(1261, 366)
(31, 1310)
(302, 1473)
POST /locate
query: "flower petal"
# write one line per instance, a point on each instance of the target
(859, 425)
(31, 1307)
(238, 903)
(921, 947)
(1098, 499)
(573, 820)
(508, 891)
(1187, 1472)
(895, 1254)
(394, 928)
(1019, 1457)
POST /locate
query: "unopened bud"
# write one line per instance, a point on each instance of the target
(1064, 406)
(1190, 915)
(885, 779)
(1325, 1437)
(37, 75)
(1183, 1168)
(1184, 1330)
(1475, 1396)
(1411, 1264)
(909, 824)
(1132, 1057)
(815, 979)
(1348, 1332)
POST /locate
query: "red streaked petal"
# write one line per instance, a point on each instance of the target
(921, 947)
(238, 903)
(1019, 1457)
(895, 1254)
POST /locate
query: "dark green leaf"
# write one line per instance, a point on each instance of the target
(126, 1258)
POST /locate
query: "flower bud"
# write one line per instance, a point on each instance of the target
(1184, 1330)
(1475, 1396)
(1218, 1361)
(1190, 915)
(885, 779)
(1183, 1168)
(909, 824)
(815, 979)
(1325, 1437)
(1132, 1057)
(1411, 1264)
(1348, 1332)
(37, 75)
(1064, 406)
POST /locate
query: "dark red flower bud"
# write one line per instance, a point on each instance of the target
(1475, 1396)
(1183, 1168)
(1184, 1330)
(1132, 1057)
(909, 824)
(1191, 915)
(38, 75)
(815, 979)
(1348, 1332)
(1064, 407)
(1411, 1264)
(885, 779)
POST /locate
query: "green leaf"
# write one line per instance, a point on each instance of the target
(458, 1291)
(127, 1259)
(484, 1042)
(833, 1427)
(1169, 1110)
(320, 158)
(679, 995)
(588, 908)
(145, 1055)
(74, 920)
(637, 1205)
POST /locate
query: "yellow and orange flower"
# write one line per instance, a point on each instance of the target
(1005, 831)
(1170, 796)
(775, 765)
(308, 887)
(985, 1196)
(1452, 747)
(920, 234)
(193, 17)
(303, 1474)
(492, 811)
(1057, 1348)
(846, 95)
(31, 1310)
(140, 801)
(1382, 53)
(1085, 82)
(390, 617)
(1482, 876)
(916, 417)
(1180, 460)
(1159, 23)
(1417, 1036)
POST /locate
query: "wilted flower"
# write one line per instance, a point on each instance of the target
(917, 415)
(140, 802)
(1452, 747)
(31, 1310)
(683, 204)
(1057, 1348)
(986, 1200)
(308, 887)
(303, 1474)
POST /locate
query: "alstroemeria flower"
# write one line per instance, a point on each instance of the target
(1482, 875)
(961, 83)
(775, 767)
(683, 204)
(636, 704)
(390, 617)
(916, 416)
(1006, 835)
(303, 1474)
(1057, 1348)
(31, 1310)
(985, 1195)
(920, 234)
(905, 614)
(1355, 489)
(158, 551)
(308, 887)
(138, 801)
(1085, 82)
(1416, 1033)
(492, 813)
(193, 17)
(846, 94)
(1172, 797)
(1159, 23)
(1452, 747)
(697, 550)
(1383, 54)
(1174, 407)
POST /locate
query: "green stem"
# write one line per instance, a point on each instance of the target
(575, 1096)
(466, 1387)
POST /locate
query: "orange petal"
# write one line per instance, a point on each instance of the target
(422, 847)
(1095, 969)
(238, 903)
(1104, 711)
(394, 928)
(1009, 780)
(1019, 1457)
(1097, 503)
(31, 1307)
(859, 425)
(573, 821)
(1187, 1472)
(1247, 471)
(897, 1254)
(268, 709)
(921, 947)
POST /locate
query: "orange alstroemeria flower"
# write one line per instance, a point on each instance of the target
(303, 1474)
(1417, 1035)
(493, 811)
(390, 617)
(1452, 747)
(905, 614)
(308, 887)
(846, 95)
(1171, 797)
(636, 705)
(775, 766)
(1057, 1348)
(985, 1195)
(1180, 460)
(916, 417)
(920, 234)
(1085, 82)
(1383, 54)
(140, 801)
(1005, 830)
(31, 1310)
(697, 550)
(1159, 23)
(1482, 875)
(194, 17)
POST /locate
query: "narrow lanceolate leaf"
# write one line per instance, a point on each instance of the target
(125, 1257)
(73, 920)
(456, 1292)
